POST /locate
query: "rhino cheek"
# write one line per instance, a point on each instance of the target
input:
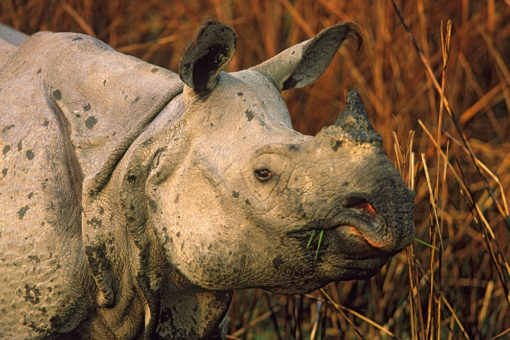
(253, 257)
(224, 256)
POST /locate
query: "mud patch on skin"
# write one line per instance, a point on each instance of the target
(86, 107)
(90, 122)
(293, 147)
(98, 262)
(335, 145)
(6, 149)
(131, 179)
(30, 154)
(7, 128)
(167, 328)
(95, 222)
(249, 115)
(4, 172)
(32, 294)
(57, 94)
(21, 213)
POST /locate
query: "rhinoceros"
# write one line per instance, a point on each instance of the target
(136, 200)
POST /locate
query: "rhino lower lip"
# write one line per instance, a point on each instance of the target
(365, 226)
(373, 242)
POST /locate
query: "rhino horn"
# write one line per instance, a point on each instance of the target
(352, 124)
(301, 64)
(207, 56)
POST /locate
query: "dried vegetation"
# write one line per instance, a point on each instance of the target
(440, 97)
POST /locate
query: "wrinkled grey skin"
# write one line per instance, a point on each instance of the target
(134, 200)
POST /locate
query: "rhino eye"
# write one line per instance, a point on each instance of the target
(263, 174)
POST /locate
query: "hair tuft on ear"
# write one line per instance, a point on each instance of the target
(206, 56)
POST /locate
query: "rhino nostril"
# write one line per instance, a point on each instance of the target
(361, 204)
(367, 208)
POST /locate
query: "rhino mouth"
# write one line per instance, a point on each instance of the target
(359, 222)
(361, 219)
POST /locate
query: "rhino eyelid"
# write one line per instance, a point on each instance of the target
(263, 174)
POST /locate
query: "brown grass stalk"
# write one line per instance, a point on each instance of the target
(431, 75)
(341, 309)
(449, 83)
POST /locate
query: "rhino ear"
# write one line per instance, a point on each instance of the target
(301, 64)
(207, 56)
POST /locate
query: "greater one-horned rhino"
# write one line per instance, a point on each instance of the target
(135, 200)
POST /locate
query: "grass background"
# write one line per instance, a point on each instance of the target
(442, 109)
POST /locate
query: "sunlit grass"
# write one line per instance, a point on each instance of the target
(450, 86)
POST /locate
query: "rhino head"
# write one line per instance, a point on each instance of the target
(245, 199)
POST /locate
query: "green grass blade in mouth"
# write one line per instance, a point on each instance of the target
(310, 239)
(319, 244)
(321, 234)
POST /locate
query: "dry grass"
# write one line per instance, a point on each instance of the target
(451, 88)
